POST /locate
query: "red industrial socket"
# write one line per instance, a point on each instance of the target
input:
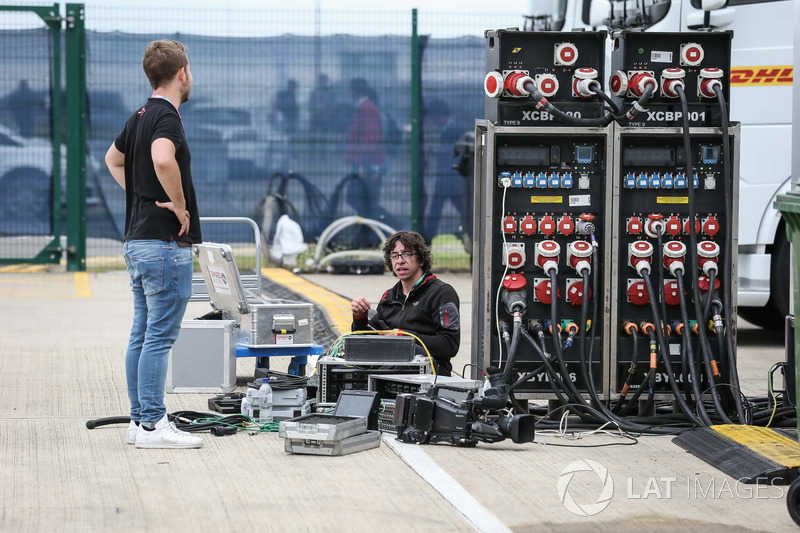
(527, 225)
(579, 255)
(674, 256)
(509, 225)
(707, 254)
(637, 293)
(638, 252)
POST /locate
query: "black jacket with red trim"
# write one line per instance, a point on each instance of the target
(430, 311)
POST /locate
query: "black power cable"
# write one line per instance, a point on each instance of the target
(692, 215)
(728, 195)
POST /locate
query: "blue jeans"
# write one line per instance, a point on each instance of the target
(161, 280)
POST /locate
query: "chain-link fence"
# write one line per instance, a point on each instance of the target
(308, 113)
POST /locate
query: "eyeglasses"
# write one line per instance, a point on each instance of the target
(404, 255)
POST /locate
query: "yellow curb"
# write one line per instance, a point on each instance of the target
(336, 308)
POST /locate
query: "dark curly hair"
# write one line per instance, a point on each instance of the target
(413, 242)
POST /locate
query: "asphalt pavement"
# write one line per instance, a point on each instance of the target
(61, 360)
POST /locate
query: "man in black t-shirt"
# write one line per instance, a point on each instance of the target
(150, 159)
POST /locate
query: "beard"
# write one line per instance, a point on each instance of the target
(185, 89)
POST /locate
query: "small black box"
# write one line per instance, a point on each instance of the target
(384, 348)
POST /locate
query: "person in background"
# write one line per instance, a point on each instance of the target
(447, 183)
(287, 110)
(364, 154)
(419, 303)
(150, 160)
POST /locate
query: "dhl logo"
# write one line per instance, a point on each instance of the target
(758, 76)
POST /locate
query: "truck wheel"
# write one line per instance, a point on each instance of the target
(772, 315)
(793, 501)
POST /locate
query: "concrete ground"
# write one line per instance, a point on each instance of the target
(62, 346)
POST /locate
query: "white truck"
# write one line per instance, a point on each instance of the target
(761, 100)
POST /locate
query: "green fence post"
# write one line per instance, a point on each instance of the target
(76, 137)
(415, 122)
(51, 253)
(789, 206)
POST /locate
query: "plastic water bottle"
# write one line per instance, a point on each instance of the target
(257, 403)
(265, 392)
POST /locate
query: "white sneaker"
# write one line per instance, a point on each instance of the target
(166, 435)
(132, 430)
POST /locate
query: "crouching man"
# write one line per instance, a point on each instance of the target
(419, 303)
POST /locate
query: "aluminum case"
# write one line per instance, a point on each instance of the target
(203, 357)
(262, 322)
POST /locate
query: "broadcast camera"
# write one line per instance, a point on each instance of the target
(457, 416)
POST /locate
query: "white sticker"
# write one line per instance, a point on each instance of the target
(284, 339)
(218, 280)
(302, 322)
(210, 255)
(580, 200)
(660, 56)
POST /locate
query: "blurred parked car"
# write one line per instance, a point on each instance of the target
(26, 191)
(248, 142)
(107, 114)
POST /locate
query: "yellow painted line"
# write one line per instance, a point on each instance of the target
(45, 285)
(82, 289)
(765, 442)
(19, 269)
(336, 308)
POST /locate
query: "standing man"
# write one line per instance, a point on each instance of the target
(446, 181)
(419, 303)
(150, 160)
(364, 154)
